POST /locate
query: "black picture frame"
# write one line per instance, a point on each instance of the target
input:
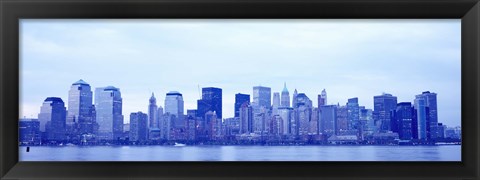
(466, 10)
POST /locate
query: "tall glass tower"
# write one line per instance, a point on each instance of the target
(52, 118)
(138, 127)
(212, 101)
(285, 98)
(174, 107)
(402, 120)
(431, 103)
(382, 106)
(262, 96)
(422, 112)
(276, 103)
(80, 107)
(353, 114)
(108, 104)
(239, 100)
(152, 113)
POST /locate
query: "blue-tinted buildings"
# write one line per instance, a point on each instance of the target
(53, 116)
(422, 118)
(29, 132)
(174, 107)
(285, 97)
(328, 120)
(402, 119)
(382, 106)
(79, 116)
(138, 127)
(153, 113)
(108, 104)
(239, 100)
(211, 101)
(353, 114)
(262, 97)
(431, 103)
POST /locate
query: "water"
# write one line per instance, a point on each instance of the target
(242, 153)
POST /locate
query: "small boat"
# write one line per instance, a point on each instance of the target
(179, 144)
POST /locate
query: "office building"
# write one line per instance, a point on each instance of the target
(153, 120)
(382, 106)
(246, 118)
(138, 127)
(80, 108)
(328, 120)
(285, 114)
(276, 103)
(108, 107)
(285, 98)
(431, 103)
(353, 114)
(29, 132)
(402, 118)
(262, 97)
(239, 100)
(52, 117)
(422, 118)
(322, 98)
(174, 107)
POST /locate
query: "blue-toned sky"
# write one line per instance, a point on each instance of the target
(348, 58)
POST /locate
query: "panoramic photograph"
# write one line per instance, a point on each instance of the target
(240, 90)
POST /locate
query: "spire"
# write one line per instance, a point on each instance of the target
(153, 100)
(285, 87)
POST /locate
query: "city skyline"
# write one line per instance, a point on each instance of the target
(346, 82)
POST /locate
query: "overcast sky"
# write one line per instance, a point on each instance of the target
(348, 58)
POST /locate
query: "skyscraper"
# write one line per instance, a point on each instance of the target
(174, 106)
(285, 99)
(294, 98)
(353, 114)
(367, 121)
(302, 99)
(342, 120)
(79, 108)
(382, 106)
(211, 101)
(246, 118)
(285, 114)
(138, 127)
(262, 96)
(328, 120)
(322, 98)
(276, 103)
(52, 118)
(239, 100)
(431, 103)
(402, 119)
(108, 104)
(422, 117)
(153, 113)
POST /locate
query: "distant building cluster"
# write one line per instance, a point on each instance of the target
(265, 120)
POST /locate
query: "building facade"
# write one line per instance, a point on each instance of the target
(138, 127)
(262, 97)
(108, 104)
(52, 117)
(382, 106)
(239, 100)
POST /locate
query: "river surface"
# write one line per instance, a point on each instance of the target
(242, 153)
